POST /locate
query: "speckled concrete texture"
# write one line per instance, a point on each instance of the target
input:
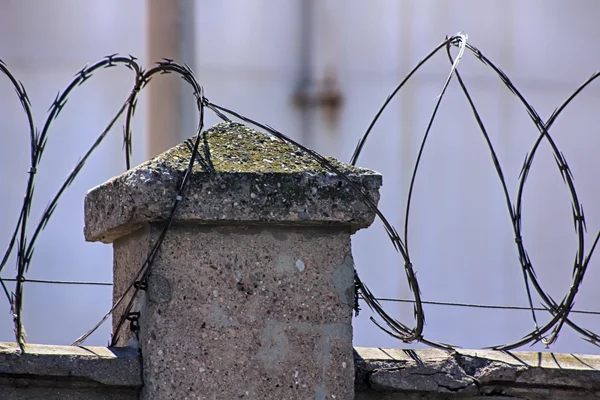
(250, 312)
(252, 292)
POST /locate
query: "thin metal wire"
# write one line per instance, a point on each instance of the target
(389, 299)
(485, 306)
(58, 282)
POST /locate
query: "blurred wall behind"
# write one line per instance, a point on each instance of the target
(256, 57)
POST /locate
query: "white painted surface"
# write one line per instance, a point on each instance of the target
(248, 59)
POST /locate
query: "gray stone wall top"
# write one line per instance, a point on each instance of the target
(80, 368)
(257, 178)
(475, 374)
(63, 372)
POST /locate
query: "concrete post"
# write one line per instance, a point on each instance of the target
(251, 295)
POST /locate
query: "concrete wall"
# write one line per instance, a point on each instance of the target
(99, 373)
(252, 62)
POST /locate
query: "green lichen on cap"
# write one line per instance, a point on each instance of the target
(235, 147)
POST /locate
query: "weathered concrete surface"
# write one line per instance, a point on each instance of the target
(66, 372)
(248, 312)
(256, 178)
(252, 292)
(386, 374)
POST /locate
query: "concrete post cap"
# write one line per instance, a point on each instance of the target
(257, 179)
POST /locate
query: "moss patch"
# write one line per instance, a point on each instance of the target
(235, 147)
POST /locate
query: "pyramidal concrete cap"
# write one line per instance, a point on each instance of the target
(256, 178)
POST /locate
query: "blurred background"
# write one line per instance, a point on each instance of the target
(318, 70)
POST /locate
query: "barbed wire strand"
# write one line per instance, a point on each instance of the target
(577, 211)
(395, 328)
(38, 142)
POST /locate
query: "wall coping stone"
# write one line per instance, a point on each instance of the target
(65, 366)
(380, 373)
(257, 178)
(474, 373)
